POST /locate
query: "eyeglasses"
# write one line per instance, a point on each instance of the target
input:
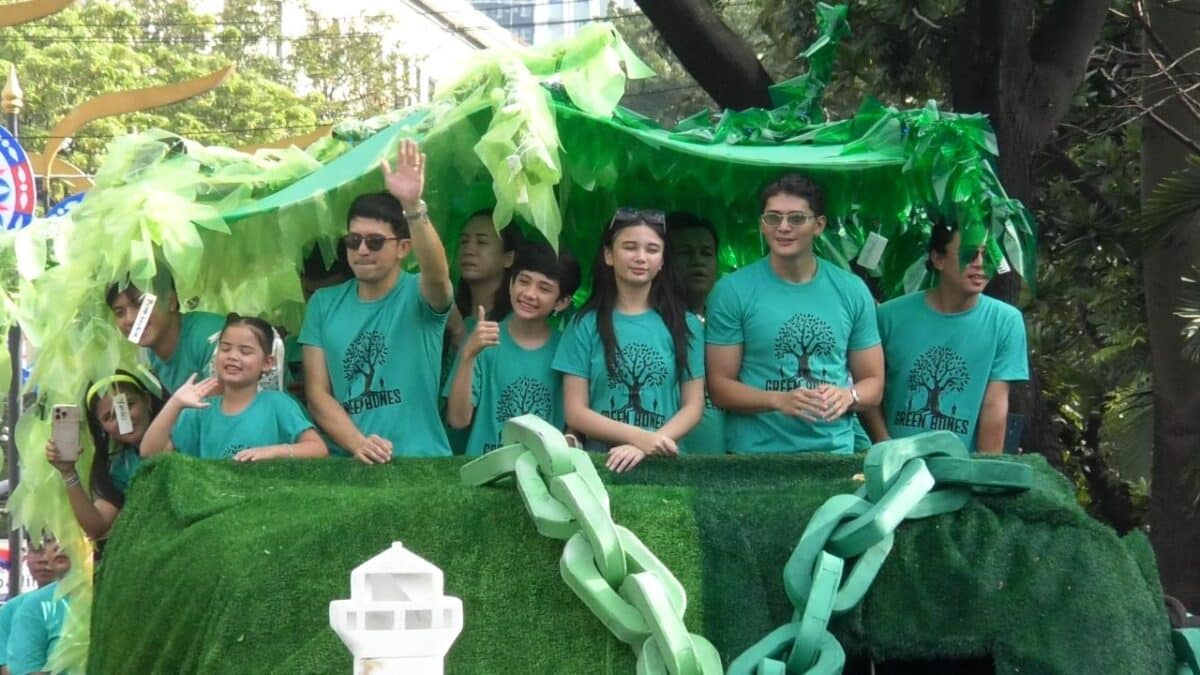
(649, 216)
(374, 241)
(774, 219)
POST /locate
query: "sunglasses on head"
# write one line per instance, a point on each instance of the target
(375, 242)
(648, 216)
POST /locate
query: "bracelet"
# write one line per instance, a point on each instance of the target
(418, 215)
(291, 451)
(72, 480)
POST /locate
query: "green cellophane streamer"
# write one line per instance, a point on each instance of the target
(535, 134)
(154, 215)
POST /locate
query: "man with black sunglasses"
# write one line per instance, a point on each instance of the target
(372, 346)
(792, 342)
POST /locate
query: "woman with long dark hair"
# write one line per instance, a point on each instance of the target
(633, 358)
(117, 456)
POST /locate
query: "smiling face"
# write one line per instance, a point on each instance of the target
(535, 296)
(694, 259)
(241, 359)
(636, 255)
(481, 254)
(969, 280)
(125, 308)
(372, 267)
(790, 239)
(139, 414)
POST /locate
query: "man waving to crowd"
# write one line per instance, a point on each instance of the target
(372, 345)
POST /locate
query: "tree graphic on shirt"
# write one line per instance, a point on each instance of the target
(525, 396)
(637, 366)
(368, 351)
(937, 371)
(802, 337)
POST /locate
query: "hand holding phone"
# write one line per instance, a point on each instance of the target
(64, 430)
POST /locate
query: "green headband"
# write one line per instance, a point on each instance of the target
(105, 382)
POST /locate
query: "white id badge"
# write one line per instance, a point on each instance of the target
(121, 410)
(143, 317)
(1003, 267)
(872, 251)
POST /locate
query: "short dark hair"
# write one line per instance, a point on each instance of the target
(682, 220)
(540, 257)
(262, 330)
(796, 185)
(380, 206)
(939, 240)
(536, 255)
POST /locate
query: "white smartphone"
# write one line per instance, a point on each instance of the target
(64, 430)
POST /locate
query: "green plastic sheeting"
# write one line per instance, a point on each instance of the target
(218, 567)
(535, 134)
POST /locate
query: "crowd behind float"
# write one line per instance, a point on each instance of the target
(787, 354)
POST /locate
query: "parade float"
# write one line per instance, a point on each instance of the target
(687, 566)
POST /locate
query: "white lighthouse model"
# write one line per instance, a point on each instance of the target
(397, 620)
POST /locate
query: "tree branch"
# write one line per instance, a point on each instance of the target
(1166, 126)
(1066, 34)
(1064, 165)
(720, 60)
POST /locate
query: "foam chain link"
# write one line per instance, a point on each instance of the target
(849, 537)
(621, 581)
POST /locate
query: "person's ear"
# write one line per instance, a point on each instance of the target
(509, 258)
(562, 304)
(821, 222)
(403, 247)
(608, 256)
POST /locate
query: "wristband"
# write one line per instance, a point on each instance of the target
(419, 214)
(854, 395)
(72, 480)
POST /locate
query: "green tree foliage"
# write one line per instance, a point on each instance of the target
(98, 47)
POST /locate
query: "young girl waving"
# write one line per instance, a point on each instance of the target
(633, 358)
(242, 423)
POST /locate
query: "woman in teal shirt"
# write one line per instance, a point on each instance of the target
(241, 423)
(633, 358)
(115, 439)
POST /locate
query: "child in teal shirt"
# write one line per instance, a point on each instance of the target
(37, 619)
(504, 369)
(632, 360)
(242, 423)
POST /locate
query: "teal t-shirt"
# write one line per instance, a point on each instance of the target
(7, 613)
(384, 359)
(122, 467)
(272, 418)
(457, 438)
(792, 336)
(193, 354)
(708, 437)
(36, 629)
(509, 380)
(644, 391)
(939, 365)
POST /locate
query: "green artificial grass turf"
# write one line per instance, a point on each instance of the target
(224, 568)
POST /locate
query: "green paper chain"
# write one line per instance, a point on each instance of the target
(906, 478)
(628, 589)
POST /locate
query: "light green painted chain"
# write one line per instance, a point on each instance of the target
(906, 478)
(632, 593)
